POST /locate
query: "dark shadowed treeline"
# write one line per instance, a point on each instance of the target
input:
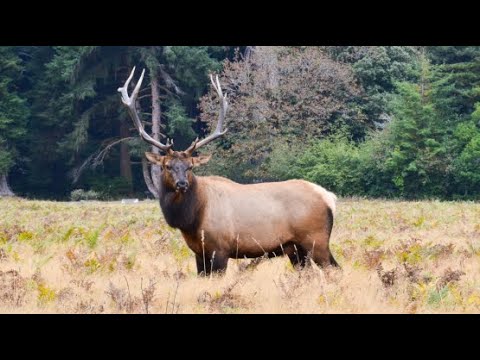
(371, 121)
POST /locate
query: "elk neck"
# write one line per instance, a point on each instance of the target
(182, 210)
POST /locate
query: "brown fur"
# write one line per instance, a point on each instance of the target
(234, 220)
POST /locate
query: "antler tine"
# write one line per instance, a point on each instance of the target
(130, 101)
(124, 90)
(219, 88)
(218, 129)
(137, 87)
(192, 147)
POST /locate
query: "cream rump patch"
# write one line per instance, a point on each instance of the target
(329, 197)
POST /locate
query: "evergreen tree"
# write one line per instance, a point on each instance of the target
(79, 119)
(466, 168)
(315, 104)
(378, 69)
(439, 55)
(415, 156)
(13, 114)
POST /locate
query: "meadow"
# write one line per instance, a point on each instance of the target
(109, 257)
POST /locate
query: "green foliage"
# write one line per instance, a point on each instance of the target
(13, 108)
(435, 297)
(25, 236)
(109, 188)
(285, 95)
(452, 54)
(407, 159)
(130, 261)
(180, 251)
(92, 238)
(191, 65)
(415, 159)
(179, 124)
(336, 163)
(45, 294)
(467, 167)
(6, 157)
(92, 265)
(80, 194)
(243, 170)
(457, 89)
(332, 163)
(421, 151)
(76, 110)
(378, 68)
(385, 121)
(282, 163)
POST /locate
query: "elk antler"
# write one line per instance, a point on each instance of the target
(218, 130)
(130, 101)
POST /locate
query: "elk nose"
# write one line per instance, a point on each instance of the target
(182, 185)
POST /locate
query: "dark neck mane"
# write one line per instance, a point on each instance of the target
(181, 210)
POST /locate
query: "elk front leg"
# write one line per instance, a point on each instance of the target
(217, 263)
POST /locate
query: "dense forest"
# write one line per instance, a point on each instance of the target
(375, 121)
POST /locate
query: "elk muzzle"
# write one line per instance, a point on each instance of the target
(182, 185)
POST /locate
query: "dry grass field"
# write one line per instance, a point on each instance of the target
(108, 257)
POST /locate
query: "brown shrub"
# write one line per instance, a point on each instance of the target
(12, 287)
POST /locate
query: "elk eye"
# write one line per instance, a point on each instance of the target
(168, 167)
(190, 167)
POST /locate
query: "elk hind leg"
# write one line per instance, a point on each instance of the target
(321, 254)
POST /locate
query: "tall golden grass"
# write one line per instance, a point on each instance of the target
(98, 257)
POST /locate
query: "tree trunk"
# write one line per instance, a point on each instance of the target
(156, 129)
(248, 52)
(148, 180)
(269, 62)
(152, 178)
(4, 188)
(125, 165)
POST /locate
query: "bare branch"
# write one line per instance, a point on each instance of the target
(95, 159)
(170, 82)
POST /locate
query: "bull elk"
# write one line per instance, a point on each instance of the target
(220, 219)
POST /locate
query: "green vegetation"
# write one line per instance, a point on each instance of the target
(384, 121)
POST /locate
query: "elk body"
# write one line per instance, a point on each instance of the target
(220, 219)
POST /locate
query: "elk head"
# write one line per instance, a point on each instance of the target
(176, 165)
(177, 168)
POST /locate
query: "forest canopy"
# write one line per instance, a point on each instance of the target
(375, 121)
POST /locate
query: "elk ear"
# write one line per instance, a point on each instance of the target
(154, 158)
(200, 160)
